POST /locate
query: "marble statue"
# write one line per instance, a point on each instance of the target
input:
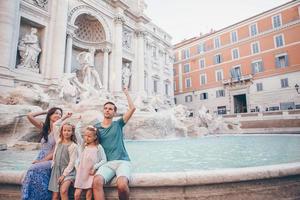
(126, 75)
(72, 89)
(91, 77)
(29, 49)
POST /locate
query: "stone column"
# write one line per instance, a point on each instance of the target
(140, 61)
(68, 65)
(9, 23)
(57, 40)
(118, 51)
(105, 67)
(180, 77)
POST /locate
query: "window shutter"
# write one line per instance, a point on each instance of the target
(277, 41)
(277, 62)
(262, 66)
(252, 68)
(286, 61)
(232, 73)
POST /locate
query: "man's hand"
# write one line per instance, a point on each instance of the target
(131, 107)
(125, 90)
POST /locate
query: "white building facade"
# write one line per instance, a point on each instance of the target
(118, 30)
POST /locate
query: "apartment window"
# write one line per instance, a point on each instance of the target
(281, 61)
(186, 68)
(146, 82)
(259, 87)
(155, 86)
(287, 105)
(255, 47)
(217, 42)
(202, 63)
(166, 89)
(154, 52)
(219, 75)
(279, 41)
(234, 36)
(174, 71)
(253, 29)
(220, 93)
(236, 72)
(166, 58)
(204, 96)
(221, 110)
(273, 108)
(203, 79)
(201, 48)
(175, 100)
(185, 54)
(188, 98)
(217, 59)
(276, 21)
(235, 54)
(188, 82)
(284, 83)
(257, 66)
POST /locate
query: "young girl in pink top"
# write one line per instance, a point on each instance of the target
(92, 156)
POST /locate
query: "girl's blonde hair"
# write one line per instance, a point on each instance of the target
(73, 137)
(94, 131)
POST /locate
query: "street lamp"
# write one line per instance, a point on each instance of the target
(297, 88)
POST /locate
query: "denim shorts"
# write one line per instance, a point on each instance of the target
(115, 168)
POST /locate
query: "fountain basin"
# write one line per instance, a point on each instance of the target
(253, 167)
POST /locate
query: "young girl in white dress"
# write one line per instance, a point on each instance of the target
(92, 156)
(63, 166)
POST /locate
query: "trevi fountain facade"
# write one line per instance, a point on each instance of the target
(77, 55)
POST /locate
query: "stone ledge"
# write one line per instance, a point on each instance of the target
(266, 182)
(201, 177)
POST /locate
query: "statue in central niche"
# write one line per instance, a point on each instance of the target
(90, 77)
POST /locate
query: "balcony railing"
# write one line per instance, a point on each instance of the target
(238, 79)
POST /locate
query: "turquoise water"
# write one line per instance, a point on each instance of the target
(189, 154)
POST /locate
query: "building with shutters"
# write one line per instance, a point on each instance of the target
(250, 66)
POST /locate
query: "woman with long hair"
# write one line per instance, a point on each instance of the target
(35, 183)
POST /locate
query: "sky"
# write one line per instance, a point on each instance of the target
(184, 19)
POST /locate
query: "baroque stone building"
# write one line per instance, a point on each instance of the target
(41, 40)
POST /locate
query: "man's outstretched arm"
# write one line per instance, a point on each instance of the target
(131, 107)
